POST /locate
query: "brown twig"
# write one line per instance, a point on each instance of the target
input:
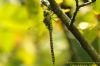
(75, 13)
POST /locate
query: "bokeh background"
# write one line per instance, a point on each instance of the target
(24, 39)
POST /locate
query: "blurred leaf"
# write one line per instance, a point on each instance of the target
(15, 61)
(90, 32)
(96, 6)
(79, 54)
(33, 7)
(90, 35)
(13, 17)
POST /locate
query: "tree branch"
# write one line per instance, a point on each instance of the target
(65, 19)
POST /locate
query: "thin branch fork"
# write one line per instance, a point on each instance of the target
(84, 44)
(77, 9)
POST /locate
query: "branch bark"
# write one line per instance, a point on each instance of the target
(65, 19)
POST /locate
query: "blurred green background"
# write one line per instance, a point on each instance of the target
(24, 39)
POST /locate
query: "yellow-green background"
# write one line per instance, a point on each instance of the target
(24, 39)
